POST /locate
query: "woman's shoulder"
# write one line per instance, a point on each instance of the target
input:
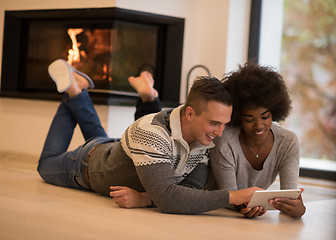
(230, 135)
(282, 131)
(284, 134)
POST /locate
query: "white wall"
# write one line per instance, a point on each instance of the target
(24, 123)
(238, 34)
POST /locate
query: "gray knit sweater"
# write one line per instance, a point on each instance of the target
(232, 171)
(152, 156)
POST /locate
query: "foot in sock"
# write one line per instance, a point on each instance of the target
(143, 84)
(68, 78)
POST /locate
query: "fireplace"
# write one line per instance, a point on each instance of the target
(108, 44)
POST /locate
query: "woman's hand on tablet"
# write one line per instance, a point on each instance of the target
(292, 207)
(252, 213)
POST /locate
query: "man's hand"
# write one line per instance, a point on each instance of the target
(247, 194)
(126, 197)
(292, 207)
(242, 196)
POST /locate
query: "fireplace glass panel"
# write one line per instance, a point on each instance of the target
(108, 53)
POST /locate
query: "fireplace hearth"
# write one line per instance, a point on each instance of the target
(108, 44)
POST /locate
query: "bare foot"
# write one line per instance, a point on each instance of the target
(81, 81)
(144, 86)
(77, 85)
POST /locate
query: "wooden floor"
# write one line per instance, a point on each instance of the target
(32, 209)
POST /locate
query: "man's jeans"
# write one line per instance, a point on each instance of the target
(62, 168)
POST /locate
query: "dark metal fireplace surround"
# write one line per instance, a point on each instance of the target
(111, 43)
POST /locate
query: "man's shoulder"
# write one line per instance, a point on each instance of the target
(155, 122)
(162, 118)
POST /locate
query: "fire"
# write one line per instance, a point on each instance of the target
(95, 59)
(74, 54)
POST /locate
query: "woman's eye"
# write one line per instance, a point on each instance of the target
(248, 120)
(266, 117)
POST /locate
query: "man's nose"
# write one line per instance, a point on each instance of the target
(219, 130)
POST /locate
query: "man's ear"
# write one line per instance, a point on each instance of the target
(189, 113)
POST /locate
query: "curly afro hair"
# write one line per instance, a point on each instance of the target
(253, 86)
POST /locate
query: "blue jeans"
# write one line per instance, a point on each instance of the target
(59, 167)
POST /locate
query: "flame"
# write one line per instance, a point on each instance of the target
(74, 54)
(97, 44)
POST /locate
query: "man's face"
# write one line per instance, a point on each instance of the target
(210, 123)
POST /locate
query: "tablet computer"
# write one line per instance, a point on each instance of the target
(261, 198)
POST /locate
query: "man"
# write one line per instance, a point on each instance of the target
(164, 156)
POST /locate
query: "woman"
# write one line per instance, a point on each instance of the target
(253, 149)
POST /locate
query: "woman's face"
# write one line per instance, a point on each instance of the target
(256, 122)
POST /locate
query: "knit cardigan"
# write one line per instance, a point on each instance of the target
(152, 156)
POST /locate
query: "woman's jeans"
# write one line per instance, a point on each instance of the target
(59, 167)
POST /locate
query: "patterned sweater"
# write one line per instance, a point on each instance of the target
(152, 156)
